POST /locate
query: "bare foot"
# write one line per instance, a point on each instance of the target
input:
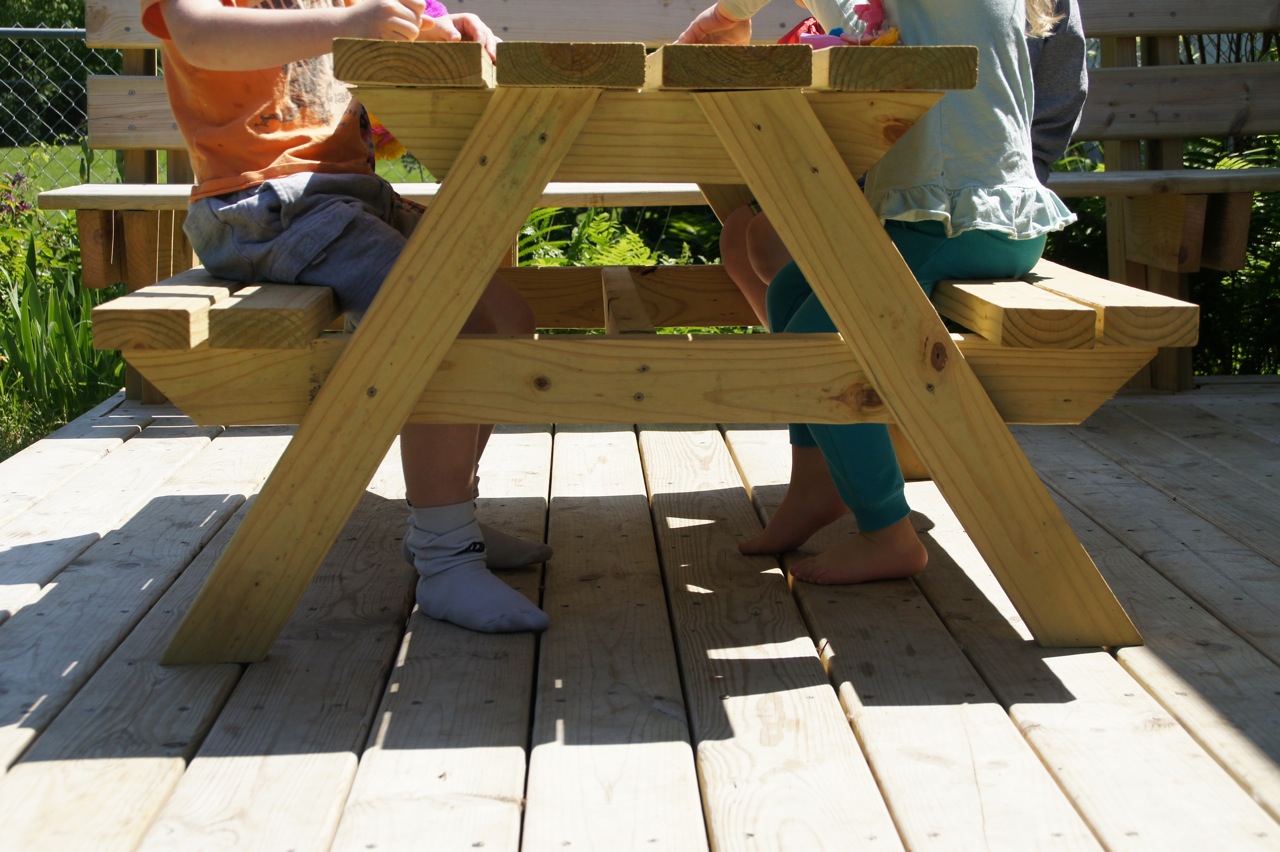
(891, 553)
(811, 502)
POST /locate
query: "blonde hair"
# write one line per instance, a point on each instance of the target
(1041, 17)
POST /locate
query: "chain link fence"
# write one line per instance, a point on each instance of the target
(42, 107)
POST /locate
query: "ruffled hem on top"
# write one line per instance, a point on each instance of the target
(1023, 213)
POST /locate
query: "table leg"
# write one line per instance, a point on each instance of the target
(511, 154)
(813, 201)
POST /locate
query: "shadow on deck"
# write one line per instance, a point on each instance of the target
(684, 697)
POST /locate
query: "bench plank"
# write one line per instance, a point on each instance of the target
(1181, 101)
(167, 315)
(1126, 316)
(1016, 313)
(271, 316)
(171, 314)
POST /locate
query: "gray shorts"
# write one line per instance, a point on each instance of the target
(341, 231)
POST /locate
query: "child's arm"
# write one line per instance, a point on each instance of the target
(460, 27)
(719, 25)
(227, 38)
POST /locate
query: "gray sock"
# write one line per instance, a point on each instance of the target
(454, 585)
(503, 550)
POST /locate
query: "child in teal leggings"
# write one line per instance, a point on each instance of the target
(859, 457)
(960, 198)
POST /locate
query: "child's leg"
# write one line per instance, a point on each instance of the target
(765, 248)
(866, 475)
(811, 502)
(737, 261)
(860, 457)
(752, 253)
(345, 232)
(505, 311)
(862, 471)
(444, 539)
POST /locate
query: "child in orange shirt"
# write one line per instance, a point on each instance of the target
(286, 192)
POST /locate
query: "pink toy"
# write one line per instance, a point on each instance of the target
(820, 40)
(871, 13)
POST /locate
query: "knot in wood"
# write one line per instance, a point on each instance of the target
(867, 398)
(938, 357)
(541, 383)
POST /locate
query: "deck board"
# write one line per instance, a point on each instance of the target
(611, 750)
(684, 696)
(950, 762)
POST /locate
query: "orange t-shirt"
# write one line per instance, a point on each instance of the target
(245, 127)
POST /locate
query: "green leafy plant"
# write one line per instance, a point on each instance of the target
(49, 370)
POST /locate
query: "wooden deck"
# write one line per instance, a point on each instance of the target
(683, 698)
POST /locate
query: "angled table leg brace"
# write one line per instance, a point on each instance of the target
(798, 177)
(511, 154)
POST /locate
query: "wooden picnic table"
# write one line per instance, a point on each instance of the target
(794, 129)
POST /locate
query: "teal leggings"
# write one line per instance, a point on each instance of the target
(860, 456)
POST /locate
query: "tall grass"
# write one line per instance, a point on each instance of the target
(49, 371)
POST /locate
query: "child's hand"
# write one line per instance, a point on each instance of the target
(713, 26)
(460, 27)
(396, 20)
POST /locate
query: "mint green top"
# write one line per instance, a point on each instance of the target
(960, 164)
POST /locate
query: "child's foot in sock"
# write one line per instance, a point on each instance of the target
(454, 585)
(501, 550)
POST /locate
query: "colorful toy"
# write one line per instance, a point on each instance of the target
(871, 18)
